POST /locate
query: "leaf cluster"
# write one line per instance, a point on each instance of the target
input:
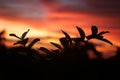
(81, 43)
(23, 40)
(78, 44)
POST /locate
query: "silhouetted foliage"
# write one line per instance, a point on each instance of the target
(45, 50)
(66, 41)
(79, 46)
(33, 42)
(69, 61)
(97, 35)
(22, 40)
(56, 45)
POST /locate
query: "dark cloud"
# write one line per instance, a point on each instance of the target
(95, 7)
(48, 2)
(34, 9)
(105, 7)
(21, 9)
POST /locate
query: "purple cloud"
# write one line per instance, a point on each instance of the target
(22, 9)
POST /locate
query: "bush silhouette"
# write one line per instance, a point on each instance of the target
(78, 48)
(70, 58)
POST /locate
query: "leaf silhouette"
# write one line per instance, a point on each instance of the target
(103, 32)
(24, 34)
(33, 42)
(56, 45)
(64, 42)
(14, 35)
(94, 30)
(23, 42)
(105, 40)
(66, 34)
(81, 32)
(45, 50)
(67, 38)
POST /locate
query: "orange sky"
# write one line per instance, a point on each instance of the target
(46, 18)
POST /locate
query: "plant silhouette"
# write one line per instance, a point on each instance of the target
(69, 58)
(25, 53)
(22, 40)
(97, 35)
(80, 46)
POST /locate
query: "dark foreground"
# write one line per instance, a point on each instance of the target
(92, 70)
(68, 62)
(14, 66)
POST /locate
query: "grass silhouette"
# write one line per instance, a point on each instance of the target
(69, 61)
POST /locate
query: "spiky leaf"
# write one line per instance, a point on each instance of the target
(81, 32)
(103, 32)
(67, 37)
(94, 30)
(23, 42)
(14, 35)
(105, 40)
(45, 50)
(24, 34)
(56, 45)
(66, 34)
(33, 42)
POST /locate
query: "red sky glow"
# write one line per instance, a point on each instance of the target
(46, 18)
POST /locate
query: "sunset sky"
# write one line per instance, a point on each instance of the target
(46, 18)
